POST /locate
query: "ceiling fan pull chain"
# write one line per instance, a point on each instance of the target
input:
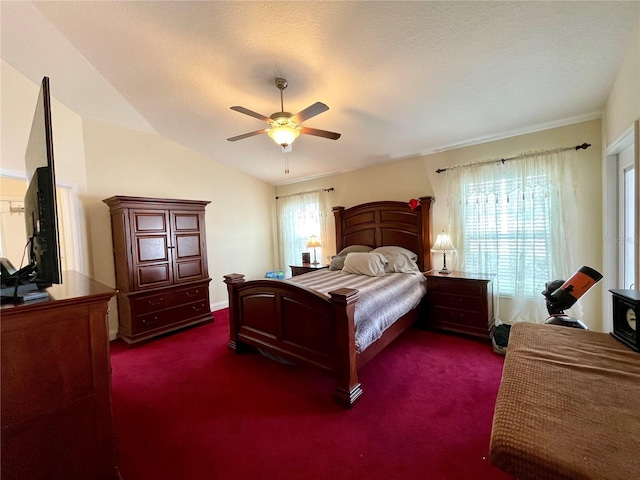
(286, 163)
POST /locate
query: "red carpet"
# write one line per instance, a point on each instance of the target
(186, 407)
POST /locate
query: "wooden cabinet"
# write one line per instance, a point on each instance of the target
(305, 268)
(56, 385)
(461, 302)
(160, 256)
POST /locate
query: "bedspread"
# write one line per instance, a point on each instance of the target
(381, 302)
(568, 406)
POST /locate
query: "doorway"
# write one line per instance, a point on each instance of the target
(621, 173)
(12, 224)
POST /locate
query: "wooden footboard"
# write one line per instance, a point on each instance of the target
(298, 324)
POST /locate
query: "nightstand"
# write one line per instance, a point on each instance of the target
(306, 268)
(461, 302)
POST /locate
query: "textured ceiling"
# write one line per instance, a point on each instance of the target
(400, 78)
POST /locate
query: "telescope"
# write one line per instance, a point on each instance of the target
(561, 295)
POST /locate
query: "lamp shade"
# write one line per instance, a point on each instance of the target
(313, 242)
(443, 244)
(283, 135)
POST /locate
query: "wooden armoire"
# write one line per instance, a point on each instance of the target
(160, 255)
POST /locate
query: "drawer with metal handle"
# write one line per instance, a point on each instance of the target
(152, 303)
(193, 294)
(178, 315)
(461, 302)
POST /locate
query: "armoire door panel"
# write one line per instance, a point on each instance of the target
(186, 221)
(154, 275)
(189, 270)
(187, 246)
(152, 249)
(150, 222)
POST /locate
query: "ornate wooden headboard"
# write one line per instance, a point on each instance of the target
(379, 224)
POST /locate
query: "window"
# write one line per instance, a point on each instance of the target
(511, 219)
(512, 227)
(299, 217)
(627, 218)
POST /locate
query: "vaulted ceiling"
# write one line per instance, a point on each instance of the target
(401, 79)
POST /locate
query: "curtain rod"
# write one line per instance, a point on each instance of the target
(584, 146)
(330, 189)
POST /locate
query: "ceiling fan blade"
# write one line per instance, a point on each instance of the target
(246, 135)
(251, 113)
(311, 111)
(320, 133)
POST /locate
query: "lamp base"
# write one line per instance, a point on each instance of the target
(315, 263)
(445, 271)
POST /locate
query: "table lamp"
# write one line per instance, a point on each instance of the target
(443, 245)
(313, 243)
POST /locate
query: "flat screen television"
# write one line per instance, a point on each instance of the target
(41, 216)
(40, 208)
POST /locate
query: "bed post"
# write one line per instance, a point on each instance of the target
(233, 280)
(425, 209)
(337, 215)
(348, 389)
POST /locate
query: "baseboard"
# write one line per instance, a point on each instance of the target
(219, 305)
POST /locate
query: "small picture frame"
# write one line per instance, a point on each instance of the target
(306, 257)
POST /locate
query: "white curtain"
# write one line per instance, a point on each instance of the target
(517, 219)
(300, 216)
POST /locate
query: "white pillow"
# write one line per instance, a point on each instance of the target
(365, 263)
(337, 261)
(396, 249)
(400, 262)
(352, 249)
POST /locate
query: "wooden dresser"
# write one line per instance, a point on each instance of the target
(160, 255)
(461, 302)
(56, 385)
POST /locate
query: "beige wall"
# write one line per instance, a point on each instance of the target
(12, 187)
(411, 178)
(98, 161)
(18, 102)
(623, 104)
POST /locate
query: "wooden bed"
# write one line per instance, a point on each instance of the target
(303, 326)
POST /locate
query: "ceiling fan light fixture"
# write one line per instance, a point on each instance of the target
(283, 135)
(285, 127)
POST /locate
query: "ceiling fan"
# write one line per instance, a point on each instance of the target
(286, 127)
